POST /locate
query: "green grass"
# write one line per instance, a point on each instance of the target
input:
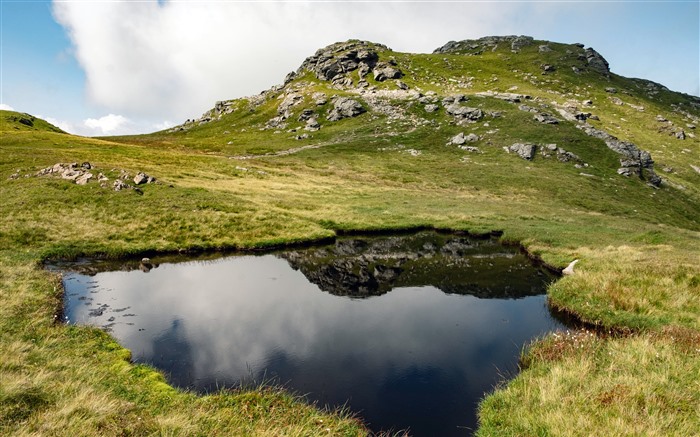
(638, 246)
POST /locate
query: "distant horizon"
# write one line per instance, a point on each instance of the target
(113, 68)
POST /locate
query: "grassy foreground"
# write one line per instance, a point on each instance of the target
(639, 275)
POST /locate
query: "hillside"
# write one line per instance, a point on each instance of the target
(538, 140)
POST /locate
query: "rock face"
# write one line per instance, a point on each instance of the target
(345, 107)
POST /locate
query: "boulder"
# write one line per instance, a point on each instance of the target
(345, 107)
(464, 112)
(524, 150)
(458, 139)
(431, 108)
(384, 71)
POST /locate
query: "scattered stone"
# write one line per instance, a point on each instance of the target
(668, 169)
(120, 185)
(695, 167)
(544, 49)
(660, 118)
(302, 137)
(617, 101)
(401, 84)
(472, 149)
(548, 68)
(594, 117)
(587, 103)
(83, 178)
(524, 150)
(345, 107)
(431, 108)
(680, 134)
(690, 126)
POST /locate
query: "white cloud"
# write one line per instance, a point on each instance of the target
(108, 124)
(5, 107)
(176, 59)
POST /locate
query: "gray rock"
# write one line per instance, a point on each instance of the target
(402, 85)
(312, 125)
(587, 103)
(120, 185)
(470, 149)
(458, 139)
(546, 118)
(384, 71)
(143, 178)
(632, 161)
(661, 118)
(83, 179)
(544, 49)
(306, 114)
(431, 108)
(319, 98)
(611, 90)
(524, 150)
(472, 137)
(548, 68)
(680, 134)
(464, 112)
(617, 101)
(345, 107)
(596, 62)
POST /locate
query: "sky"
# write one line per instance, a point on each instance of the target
(106, 67)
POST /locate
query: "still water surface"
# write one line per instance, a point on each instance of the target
(408, 331)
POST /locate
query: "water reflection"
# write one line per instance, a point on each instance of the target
(414, 357)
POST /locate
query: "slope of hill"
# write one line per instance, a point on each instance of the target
(537, 139)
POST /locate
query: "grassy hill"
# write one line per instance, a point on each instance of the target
(364, 138)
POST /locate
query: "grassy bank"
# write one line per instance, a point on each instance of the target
(638, 250)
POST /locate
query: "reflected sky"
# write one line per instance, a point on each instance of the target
(414, 357)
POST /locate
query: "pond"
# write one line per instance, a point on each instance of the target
(407, 331)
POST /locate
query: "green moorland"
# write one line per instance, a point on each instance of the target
(232, 183)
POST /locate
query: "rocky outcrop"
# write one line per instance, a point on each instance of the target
(350, 62)
(633, 161)
(488, 43)
(596, 62)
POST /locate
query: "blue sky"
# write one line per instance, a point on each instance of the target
(114, 67)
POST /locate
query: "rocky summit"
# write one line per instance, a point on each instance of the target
(462, 84)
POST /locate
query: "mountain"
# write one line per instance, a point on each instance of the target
(539, 141)
(511, 101)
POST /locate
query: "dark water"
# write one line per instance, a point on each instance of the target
(410, 331)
